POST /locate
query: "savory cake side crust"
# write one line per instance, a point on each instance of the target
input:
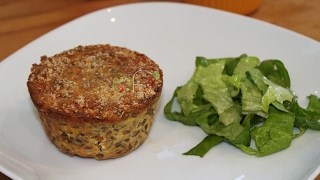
(96, 101)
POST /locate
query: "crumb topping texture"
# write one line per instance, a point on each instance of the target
(104, 82)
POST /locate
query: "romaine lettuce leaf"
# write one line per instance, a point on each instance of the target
(276, 72)
(205, 145)
(185, 96)
(260, 81)
(275, 93)
(215, 90)
(275, 134)
(251, 98)
(189, 120)
(314, 103)
(245, 64)
(236, 99)
(309, 117)
(230, 132)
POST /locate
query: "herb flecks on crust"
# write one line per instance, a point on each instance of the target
(100, 80)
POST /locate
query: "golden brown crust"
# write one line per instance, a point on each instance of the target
(97, 83)
(96, 101)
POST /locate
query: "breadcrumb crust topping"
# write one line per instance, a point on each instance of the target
(97, 81)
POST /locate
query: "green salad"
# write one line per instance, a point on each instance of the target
(237, 100)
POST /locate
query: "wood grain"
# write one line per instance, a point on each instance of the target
(22, 21)
(297, 15)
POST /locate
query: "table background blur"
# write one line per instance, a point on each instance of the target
(22, 21)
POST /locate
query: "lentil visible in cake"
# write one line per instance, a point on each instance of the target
(96, 101)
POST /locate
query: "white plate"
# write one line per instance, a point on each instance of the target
(171, 34)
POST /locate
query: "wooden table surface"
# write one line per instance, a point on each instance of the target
(22, 21)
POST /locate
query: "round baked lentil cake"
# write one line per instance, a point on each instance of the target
(96, 101)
